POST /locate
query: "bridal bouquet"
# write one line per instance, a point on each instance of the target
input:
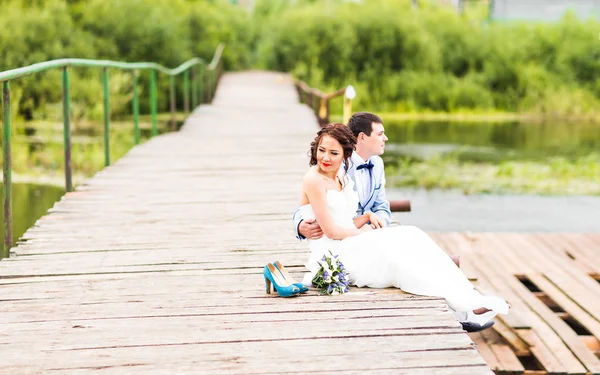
(332, 277)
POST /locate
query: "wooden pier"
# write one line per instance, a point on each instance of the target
(154, 266)
(553, 284)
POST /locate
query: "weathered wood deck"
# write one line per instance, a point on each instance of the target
(154, 266)
(553, 284)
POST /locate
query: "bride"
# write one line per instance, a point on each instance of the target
(404, 257)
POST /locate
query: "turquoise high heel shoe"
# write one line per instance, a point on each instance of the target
(286, 275)
(281, 286)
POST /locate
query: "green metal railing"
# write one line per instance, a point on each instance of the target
(203, 79)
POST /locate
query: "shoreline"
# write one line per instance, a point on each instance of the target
(479, 117)
(51, 179)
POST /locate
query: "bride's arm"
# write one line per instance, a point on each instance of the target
(316, 192)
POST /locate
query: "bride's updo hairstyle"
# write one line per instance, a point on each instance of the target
(341, 133)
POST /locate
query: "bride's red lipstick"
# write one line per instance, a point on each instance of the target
(326, 164)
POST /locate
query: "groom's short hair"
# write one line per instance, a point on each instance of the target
(362, 122)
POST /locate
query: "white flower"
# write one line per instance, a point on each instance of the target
(335, 292)
(336, 278)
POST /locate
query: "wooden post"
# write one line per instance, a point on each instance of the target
(194, 87)
(106, 117)
(172, 102)
(324, 112)
(349, 94)
(6, 171)
(136, 109)
(186, 91)
(153, 103)
(347, 110)
(208, 86)
(67, 129)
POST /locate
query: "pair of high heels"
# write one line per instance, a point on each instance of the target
(277, 277)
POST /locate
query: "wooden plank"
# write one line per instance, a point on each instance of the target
(588, 320)
(586, 248)
(518, 345)
(242, 358)
(486, 351)
(554, 355)
(545, 356)
(507, 360)
(566, 334)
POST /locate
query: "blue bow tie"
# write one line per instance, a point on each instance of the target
(365, 166)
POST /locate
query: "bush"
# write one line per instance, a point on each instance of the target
(397, 56)
(167, 32)
(432, 58)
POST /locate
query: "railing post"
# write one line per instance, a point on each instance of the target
(6, 170)
(349, 94)
(153, 103)
(106, 117)
(213, 90)
(172, 100)
(208, 85)
(186, 92)
(201, 73)
(221, 64)
(194, 88)
(136, 109)
(67, 129)
(324, 112)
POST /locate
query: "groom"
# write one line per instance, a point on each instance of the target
(366, 170)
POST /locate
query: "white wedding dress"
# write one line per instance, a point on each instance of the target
(403, 256)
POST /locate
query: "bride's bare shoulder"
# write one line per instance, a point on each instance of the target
(312, 179)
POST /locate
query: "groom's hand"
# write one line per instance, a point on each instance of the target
(310, 229)
(376, 221)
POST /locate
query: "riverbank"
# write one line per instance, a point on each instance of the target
(488, 116)
(554, 176)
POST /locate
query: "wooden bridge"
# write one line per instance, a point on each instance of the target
(154, 266)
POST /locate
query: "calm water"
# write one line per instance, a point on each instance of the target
(492, 142)
(30, 202)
